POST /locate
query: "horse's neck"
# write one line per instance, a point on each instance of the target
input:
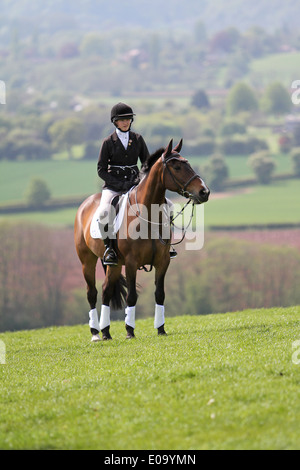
(151, 190)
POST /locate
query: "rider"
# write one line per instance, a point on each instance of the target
(117, 166)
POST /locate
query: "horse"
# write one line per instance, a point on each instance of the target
(164, 170)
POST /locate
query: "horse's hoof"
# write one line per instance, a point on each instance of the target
(106, 337)
(106, 334)
(130, 332)
(95, 338)
(161, 331)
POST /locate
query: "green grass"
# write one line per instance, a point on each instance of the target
(278, 202)
(59, 218)
(64, 178)
(275, 67)
(223, 381)
(239, 168)
(79, 177)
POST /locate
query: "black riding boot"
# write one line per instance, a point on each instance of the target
(110, 257)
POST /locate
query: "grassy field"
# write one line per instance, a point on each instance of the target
(276, 67)
(78, 177)
(226, 381)
(278, 202)
(64, 178)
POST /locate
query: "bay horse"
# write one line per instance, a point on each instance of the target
(165, 170)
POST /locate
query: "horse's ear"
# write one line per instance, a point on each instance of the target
(168, 150)
(178, 147)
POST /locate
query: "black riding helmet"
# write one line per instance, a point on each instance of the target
(121, 111)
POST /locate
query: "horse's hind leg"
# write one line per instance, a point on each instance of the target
(89, 261)
(131, 300)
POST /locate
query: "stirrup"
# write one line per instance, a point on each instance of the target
(110, 257)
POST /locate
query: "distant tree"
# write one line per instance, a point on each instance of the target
(66, 133)
(263, 166)
(91, 151)
(33, 265)
(232, 127)
(255, 41)
(225, 40)
(199, 31)
(68, 50)
(165, 129)
(155, 50)
(8, 149)
(34, 149)
(20, 142)
(216, 172)
(295, 156)
(276, 99)
(15, 44)
(92, 45)
(241, 98)
(200, 99)
(37, 193)
(296, 136)
(285, 143)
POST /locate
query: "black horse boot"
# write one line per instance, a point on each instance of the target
(161, 331)
(173, 254)
(130, 332)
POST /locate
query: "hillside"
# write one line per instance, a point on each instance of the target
(215, 382)
(52, 15)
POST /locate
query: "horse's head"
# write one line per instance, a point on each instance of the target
(179, 176)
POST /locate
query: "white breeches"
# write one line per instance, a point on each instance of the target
(105, 201)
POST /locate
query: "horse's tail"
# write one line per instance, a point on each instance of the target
(118, 300)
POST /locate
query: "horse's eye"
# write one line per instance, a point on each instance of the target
(177, 167)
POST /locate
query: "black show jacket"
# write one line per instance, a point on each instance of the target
(117, 166)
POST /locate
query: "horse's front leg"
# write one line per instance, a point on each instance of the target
(132, 296)
(159, 316)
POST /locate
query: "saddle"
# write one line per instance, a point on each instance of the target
(119, 203)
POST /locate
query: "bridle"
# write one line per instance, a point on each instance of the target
(182, 188)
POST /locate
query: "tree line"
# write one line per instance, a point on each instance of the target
(40, 135)
(38, 264)
(34, 262)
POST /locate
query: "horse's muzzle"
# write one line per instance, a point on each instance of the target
(202, 196)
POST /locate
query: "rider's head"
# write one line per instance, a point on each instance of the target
(122, 116)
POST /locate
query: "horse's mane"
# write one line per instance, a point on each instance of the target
(148, 164)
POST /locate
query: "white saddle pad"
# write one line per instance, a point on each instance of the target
(94, 229)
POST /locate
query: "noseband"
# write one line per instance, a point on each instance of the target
(182, 189)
